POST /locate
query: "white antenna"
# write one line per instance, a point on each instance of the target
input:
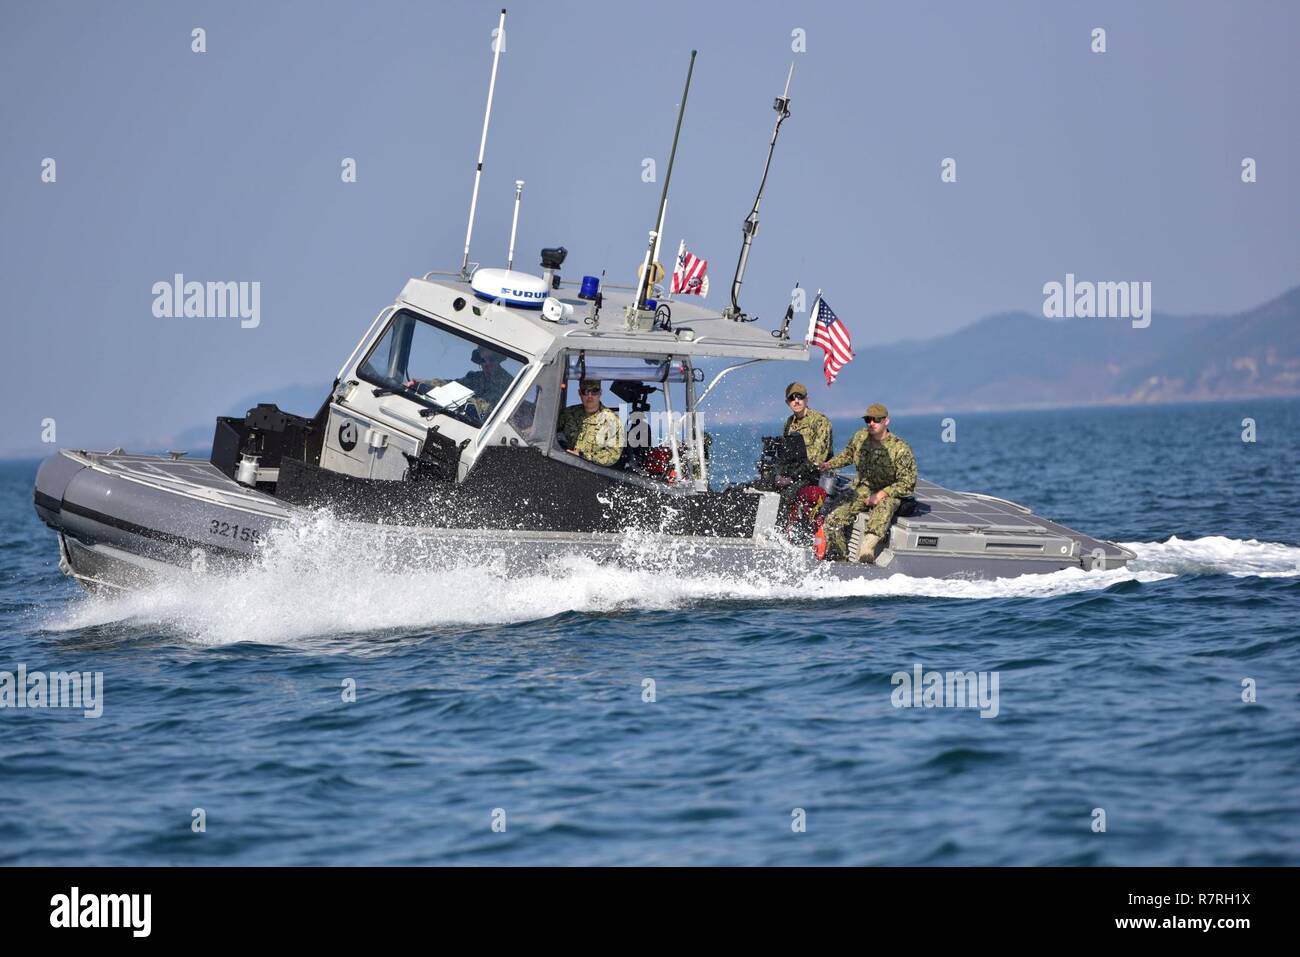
(514, 225)
(653, 249)
(482, 143)
(643, 283)
(660, 230)
(659, 235)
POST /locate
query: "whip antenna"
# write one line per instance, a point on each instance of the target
(643, 285)
(482, 143)
(782, 106)
(514, 225)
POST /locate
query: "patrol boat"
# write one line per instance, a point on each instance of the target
(439, 440)
(441, 474)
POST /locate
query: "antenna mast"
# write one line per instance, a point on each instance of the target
(514, 225)
(482, 143)
(643, 286)
(750, 227)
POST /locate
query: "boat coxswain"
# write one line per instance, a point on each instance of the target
(591, 431)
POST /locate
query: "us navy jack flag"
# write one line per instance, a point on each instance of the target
(690, 275)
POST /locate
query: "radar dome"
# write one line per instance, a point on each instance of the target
(511, 288)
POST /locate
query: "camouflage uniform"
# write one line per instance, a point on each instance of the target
(816, 431)
(888, 465)
(850, 454)
(597, 437)
(488, 387)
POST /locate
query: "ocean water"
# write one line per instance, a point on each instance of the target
(521, 702)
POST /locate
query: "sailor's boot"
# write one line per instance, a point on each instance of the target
(867, 551)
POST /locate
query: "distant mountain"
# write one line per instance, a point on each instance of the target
(302, 400)
(1020, 361)
(1009, 361)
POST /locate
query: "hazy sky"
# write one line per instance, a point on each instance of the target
(226, 165)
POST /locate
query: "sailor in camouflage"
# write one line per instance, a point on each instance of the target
(490, 382)
(811, 424)
(850, 454)
(815, 429)
(886, 477)
(591, 431)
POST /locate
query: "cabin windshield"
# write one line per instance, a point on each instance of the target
(440, 368)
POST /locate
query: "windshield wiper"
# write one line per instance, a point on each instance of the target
(435, 409)
(431, 409)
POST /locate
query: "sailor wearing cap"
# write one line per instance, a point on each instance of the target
(811, 424)
(886, 476)
(590, 430)
(489, 381)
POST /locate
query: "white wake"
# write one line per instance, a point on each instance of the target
(1216, 555)
(319, 579)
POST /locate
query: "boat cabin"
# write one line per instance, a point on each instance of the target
(451, 386)
(484, 373)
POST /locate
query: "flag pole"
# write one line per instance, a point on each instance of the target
(812, 318)
(681, 248)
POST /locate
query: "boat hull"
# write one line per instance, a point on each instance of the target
(126, 521)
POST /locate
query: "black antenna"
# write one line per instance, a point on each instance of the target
(643, 286)
(750, 226)
(784, 331)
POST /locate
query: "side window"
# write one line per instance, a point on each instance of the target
(647, 396)
(524, 419)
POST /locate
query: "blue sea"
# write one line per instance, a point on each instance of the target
(589, 715)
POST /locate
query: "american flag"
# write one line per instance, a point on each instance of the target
(833, 337)
(689, 275)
